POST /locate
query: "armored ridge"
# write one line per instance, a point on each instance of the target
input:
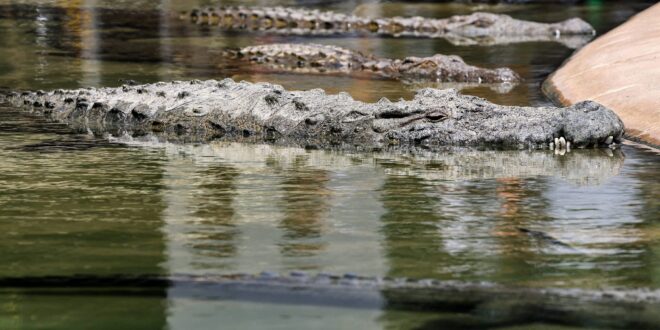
(477, 28)
(204, 110)
(486, 304)
(315, 58)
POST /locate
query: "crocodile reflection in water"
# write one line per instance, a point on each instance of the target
(580, 167)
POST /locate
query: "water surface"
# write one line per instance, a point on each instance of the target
(79, 204)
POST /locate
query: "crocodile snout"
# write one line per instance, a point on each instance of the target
(589, 124)
(573, 26)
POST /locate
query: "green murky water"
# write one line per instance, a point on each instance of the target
(74, 204)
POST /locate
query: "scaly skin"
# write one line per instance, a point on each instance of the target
(484, 304)
(205, 110)
(476, 28)
(315, 58)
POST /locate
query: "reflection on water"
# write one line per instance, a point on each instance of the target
(411, 227)
(305, 202)
(81, 204)
(215, 232)
(148, 207)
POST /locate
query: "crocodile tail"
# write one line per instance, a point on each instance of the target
(232, 53)
(12, 96)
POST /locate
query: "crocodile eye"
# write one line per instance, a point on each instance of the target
(436, 116)
(482, 23)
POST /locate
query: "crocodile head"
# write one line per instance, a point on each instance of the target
(452, 68)
(445, 117)
(487, 24)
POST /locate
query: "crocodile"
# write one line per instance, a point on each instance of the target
(258, 112)
(487, 303)
(476, 28)
(316, 58)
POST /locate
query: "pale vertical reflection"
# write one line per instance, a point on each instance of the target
(465, 233)
(165, 43)
(89, 45)
(247, 183)
(522, 204)
(350, 222)
(190, 241)
(341, 209)
(350, 226)
(41, 31)
(179, 175)
(360, 88)
(258, 214)
(356, 210)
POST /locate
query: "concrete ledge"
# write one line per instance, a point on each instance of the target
(620, 70)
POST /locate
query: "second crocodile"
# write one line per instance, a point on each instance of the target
(477, 28)
(315, 58)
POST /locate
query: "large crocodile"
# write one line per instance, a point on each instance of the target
(315, 58)
(476, 28)
(243, 111)
(478, 303)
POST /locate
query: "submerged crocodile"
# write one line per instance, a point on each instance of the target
(315, 58)
(476, 28)
(484, 304)
(205, 110)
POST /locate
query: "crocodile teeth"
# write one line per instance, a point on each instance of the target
(560, 145)
(609, 140)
